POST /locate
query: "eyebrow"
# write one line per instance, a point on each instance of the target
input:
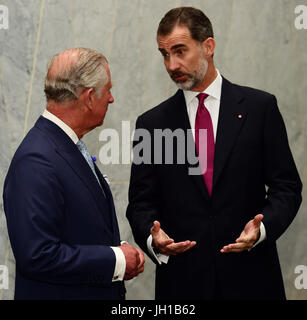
(176, 46)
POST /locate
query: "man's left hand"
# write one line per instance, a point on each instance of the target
(248, 236)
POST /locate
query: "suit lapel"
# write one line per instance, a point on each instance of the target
(110, 200)
(232, 115)
(66, 148)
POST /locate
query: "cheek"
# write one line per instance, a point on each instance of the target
(166, 64)
(104, 108)
(192, 64)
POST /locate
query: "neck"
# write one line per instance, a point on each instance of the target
(69, 114)
(210, 76)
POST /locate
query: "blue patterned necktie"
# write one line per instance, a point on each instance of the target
(81, 146)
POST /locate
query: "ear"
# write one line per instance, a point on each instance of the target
(208, 47)
(88, 98)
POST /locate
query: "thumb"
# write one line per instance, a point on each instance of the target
(141, 257)
(257, 220)
(156, 227)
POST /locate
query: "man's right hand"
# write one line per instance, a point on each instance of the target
(163, 244)
(134, 260)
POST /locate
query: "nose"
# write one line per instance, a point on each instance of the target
(111, 99)
(173, 64)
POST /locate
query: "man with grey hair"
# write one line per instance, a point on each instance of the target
(60, 212)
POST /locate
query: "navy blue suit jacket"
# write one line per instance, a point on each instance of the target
(60, 224)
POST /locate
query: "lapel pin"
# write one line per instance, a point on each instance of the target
(94, 158)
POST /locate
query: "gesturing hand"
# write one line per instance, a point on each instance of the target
(248, 236)
(134, 260)
(163, 244)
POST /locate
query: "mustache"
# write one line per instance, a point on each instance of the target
(175, 74)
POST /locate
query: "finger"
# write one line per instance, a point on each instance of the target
(184, 248)
(240, 245)
(193, 243)
(156, 227)
(141, 270)
(128, 276)
(259, 216)
(137, 257)
(250, 239)
(164, 243)
(257, 219)
(240, 249)
(236, 247)
(233, 250)
(142, 257)
(179, 247)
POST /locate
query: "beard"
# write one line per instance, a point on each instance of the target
(194, 79)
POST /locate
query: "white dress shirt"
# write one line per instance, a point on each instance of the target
(120, 264)
(212, 103)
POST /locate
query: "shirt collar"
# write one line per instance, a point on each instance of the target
(68, 130)
(213, 90)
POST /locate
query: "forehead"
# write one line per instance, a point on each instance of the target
(179, 35)
(109, 74)
(106, 67)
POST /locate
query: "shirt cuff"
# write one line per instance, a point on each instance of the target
(120, 265)
(262, 235)
(159, 256)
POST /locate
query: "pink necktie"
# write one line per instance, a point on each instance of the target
(203, 121)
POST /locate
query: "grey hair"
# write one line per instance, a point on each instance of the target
(87, 71)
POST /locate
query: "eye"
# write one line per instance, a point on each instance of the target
(165, 54)
(180, 51)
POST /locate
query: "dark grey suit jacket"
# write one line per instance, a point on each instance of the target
(251, 152)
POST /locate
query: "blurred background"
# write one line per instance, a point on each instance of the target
(259, 44)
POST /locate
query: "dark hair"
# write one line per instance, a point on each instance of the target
(197, 22)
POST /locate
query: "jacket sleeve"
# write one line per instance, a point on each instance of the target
(281, 177)
(34, 203)
(143, 208)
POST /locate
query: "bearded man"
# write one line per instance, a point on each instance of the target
(213, 235)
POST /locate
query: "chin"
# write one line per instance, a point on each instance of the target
(96, 125)
(187, 85)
